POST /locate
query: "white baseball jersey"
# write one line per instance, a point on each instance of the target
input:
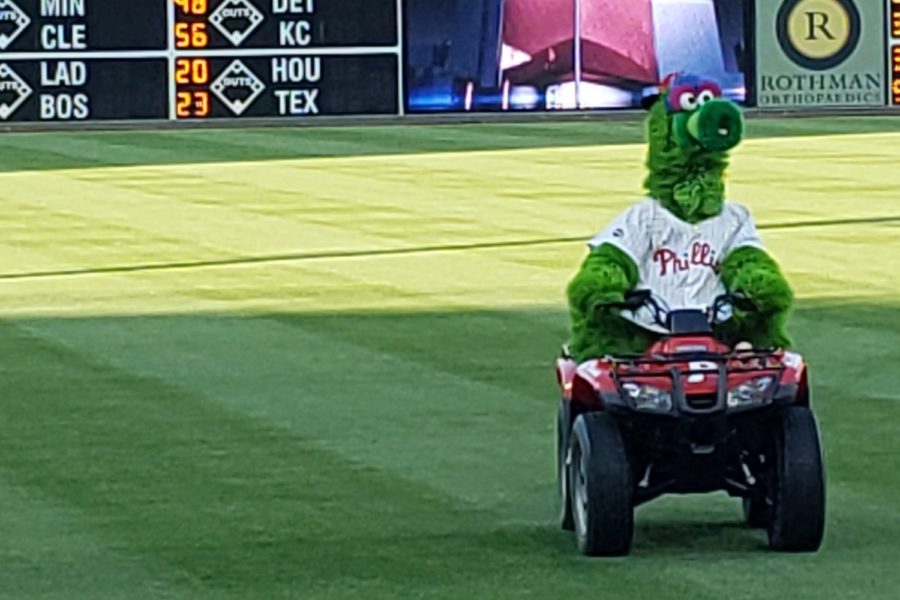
(679, 262)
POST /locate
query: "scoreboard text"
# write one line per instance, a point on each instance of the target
(191, 60)
(69, 60)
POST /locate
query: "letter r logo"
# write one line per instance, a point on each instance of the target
(818, 34)
(817, 21)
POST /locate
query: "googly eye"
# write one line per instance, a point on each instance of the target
(705, 96)
(687, 101)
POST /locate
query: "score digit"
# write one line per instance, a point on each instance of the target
(895, 19)
(192, 7)
(191, 71)
(192, 104)
(191, 35)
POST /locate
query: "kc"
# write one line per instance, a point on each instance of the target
(294, 33)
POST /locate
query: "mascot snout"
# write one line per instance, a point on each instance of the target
(717, 126)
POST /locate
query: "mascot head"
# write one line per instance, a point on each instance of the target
(691, 128)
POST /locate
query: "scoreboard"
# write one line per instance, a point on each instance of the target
(894, 50)
(75, 60)
(193, 60)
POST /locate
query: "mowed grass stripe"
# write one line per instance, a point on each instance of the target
(306, 256)
(29, 151)
(50, 550)
(233, 506)
(332, 206)
(220, 498)
(203, 459)
(422, 377)
(416, 392)
(432, 425)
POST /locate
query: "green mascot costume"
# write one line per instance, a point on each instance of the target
(684, 242)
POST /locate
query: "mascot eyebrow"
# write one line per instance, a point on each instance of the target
(688, 92)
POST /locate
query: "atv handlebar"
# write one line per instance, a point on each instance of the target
(636, 299)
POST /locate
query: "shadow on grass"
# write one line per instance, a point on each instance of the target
(716, 537)
(258, 454)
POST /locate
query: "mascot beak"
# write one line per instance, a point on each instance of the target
(717, 126)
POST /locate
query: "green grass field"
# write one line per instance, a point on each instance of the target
(318, 363)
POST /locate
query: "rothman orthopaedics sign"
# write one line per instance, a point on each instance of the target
(824, 53)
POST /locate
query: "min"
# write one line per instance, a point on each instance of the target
(62, 8)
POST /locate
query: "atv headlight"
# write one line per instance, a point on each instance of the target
(648, 398)
(750, 393)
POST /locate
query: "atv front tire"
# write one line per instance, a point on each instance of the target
(562, 470)
(798, 513)
(601, 487)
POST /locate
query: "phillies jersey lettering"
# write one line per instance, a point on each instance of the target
(701, 254)
(678, 261)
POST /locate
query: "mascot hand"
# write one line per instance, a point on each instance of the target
(597, 302)
(766, 288)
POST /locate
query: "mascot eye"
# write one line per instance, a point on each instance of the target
(705, 96)
(687, 101)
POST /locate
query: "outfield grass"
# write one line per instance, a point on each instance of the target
(228, 372)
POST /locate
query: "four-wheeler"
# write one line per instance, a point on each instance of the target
(690, 415)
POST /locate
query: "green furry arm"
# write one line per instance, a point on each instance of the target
(605, 275)
(755, 273)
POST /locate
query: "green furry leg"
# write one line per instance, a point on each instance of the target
(755, 273)
(610, 334)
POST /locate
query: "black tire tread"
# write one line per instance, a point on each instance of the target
(610, 489)
(562, 473)
(798, 517)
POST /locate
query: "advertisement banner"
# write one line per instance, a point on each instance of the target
(820, 53)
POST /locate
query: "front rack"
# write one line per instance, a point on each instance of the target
(676, 374)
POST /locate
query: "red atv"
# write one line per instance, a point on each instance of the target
(690, 415)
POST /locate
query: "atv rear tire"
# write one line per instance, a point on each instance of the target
(601, 487)
(562, 471)
(798, 513)
(756, 512)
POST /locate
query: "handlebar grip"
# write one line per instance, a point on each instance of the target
(742, 301)
(633, 300)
